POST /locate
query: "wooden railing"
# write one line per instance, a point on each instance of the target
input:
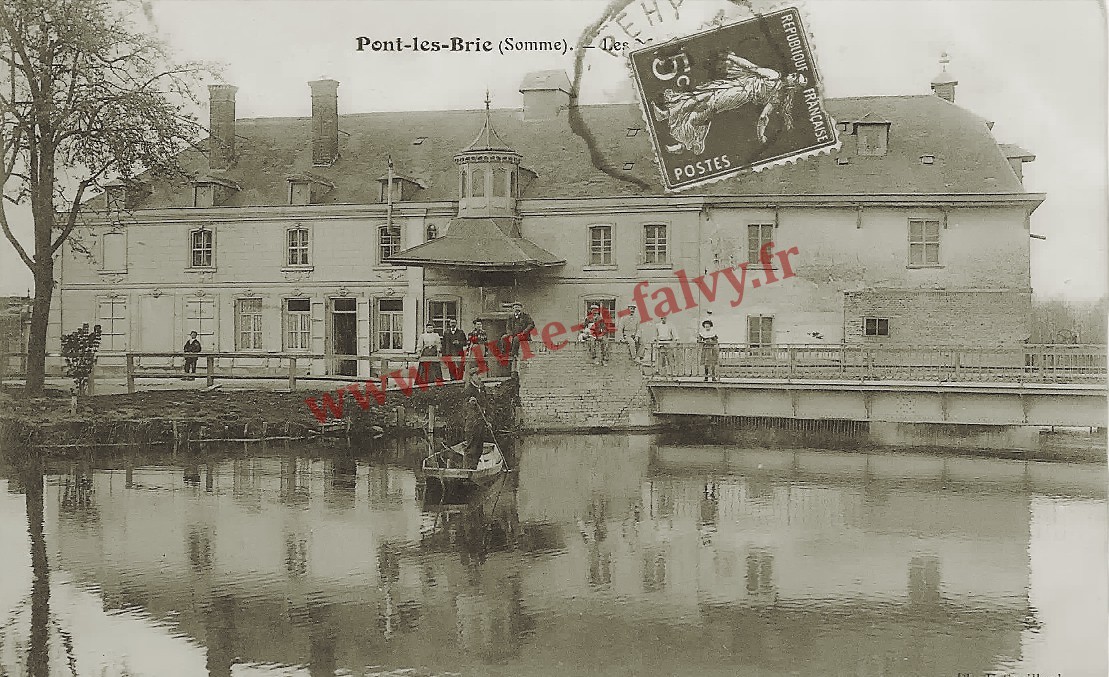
(1028, 363)
(212, 367)
(1064, 363)
(292, 367)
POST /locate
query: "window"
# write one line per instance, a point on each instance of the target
(200, 316)
(298, 247)
(438, 312)
(655, 244)
(298, 324)
(390, 324)
(202, 243)
(604, 302)
(924, 243)
(760, 572)
(249, 323)
(477, 187)
(464, 190)
(600, 245)
(760, 331)
(115, 252)
(758, 236)
(388, 241)
(512, 183)
(112, 317)
(876, 326)
(500, 182)
(432, 231)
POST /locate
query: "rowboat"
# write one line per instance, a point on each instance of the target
(447, 467)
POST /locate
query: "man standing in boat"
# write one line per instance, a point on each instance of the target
(475, 425)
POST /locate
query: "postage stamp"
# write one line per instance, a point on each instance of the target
(731, 99)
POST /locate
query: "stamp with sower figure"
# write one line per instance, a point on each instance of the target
(734, 98)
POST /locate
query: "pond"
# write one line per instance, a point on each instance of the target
(599, 555)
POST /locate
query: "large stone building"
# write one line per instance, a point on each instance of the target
(342, 234)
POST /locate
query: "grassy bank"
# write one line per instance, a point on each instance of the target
(187, 416)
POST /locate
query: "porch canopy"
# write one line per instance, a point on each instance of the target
(479, 244)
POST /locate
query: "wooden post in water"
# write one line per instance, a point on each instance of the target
(211, 380)
(130, 373)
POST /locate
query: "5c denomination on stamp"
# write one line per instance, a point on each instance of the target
(734, 98)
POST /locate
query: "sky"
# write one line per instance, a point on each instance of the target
(1037, 68)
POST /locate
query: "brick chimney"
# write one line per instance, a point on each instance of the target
(325, 122)
(546, 93)
(221, 139)
(943, 85)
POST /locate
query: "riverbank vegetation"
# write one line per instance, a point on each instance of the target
(48, 423)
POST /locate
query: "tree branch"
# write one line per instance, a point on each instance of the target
(11, 238)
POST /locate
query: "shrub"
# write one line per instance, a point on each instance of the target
(79, 351)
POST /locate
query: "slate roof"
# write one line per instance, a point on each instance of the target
(482, 243)
(968, 159)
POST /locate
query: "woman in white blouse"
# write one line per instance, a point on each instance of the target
(429, 347)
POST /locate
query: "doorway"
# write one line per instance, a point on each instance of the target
(344, 337)
(495, 327)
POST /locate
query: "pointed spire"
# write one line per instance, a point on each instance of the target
(487, 138)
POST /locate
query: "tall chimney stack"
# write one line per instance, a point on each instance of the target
(325, 121)
(221, 140)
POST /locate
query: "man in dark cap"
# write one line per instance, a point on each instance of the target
(518, 328)
(454, 341)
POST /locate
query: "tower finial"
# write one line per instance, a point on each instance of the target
(486, 99)
(944, 60)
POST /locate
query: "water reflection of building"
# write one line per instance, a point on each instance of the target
(651, 559)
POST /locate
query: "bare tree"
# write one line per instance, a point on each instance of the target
(86, 96)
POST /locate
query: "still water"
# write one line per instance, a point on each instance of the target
(600, 555)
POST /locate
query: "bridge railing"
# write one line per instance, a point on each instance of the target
(1065, 363)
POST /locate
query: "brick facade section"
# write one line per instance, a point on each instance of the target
(564, 390)
(935, 317)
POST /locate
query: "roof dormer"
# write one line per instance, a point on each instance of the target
(872, 136)
(401, 189)
(125, 194)
(1017, 156)
(488, 174)
(307, 188)
(212, 190)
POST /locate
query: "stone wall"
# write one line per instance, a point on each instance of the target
(926, 317)
(564, 390)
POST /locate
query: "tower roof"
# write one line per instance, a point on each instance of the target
(487, 138)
